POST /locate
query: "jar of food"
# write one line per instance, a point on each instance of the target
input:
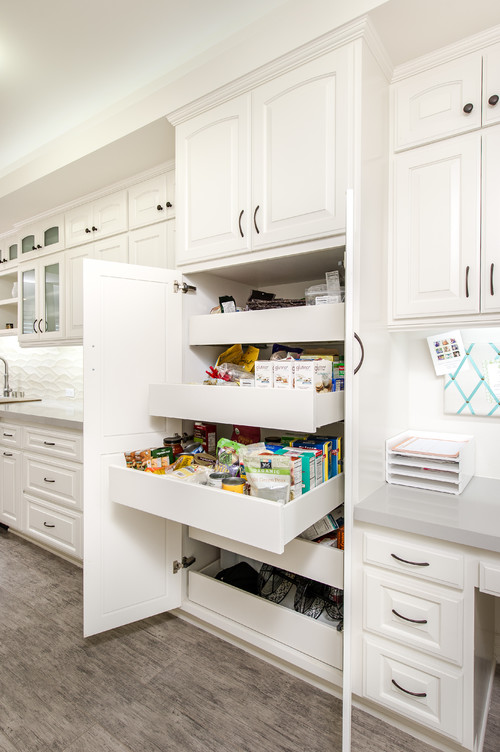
(175, 443)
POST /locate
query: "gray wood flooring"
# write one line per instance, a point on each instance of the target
(160, 685)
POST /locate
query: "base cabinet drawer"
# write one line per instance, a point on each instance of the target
(55, 481)
(60, 529)
(67, 446)
(426, 691)
(426, 618)
(10, 435)
(489, 577)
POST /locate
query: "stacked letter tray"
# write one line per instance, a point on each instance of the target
(435, 461)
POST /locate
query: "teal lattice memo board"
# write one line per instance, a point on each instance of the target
(474, 387)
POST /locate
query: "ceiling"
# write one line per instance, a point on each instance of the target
(64, 62)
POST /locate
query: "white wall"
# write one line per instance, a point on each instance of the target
(426, 403)
(44, 372)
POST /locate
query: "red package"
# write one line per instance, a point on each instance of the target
(246, 434)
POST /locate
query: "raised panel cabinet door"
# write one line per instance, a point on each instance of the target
(440, 102)
(299, 152)
(110, 215)
(150, 245)
(10, 487)
(213, 182)
(112, 249)
(78, 225)
(147, 202)
(74, 289)
(436, 243)
(491, 85)
(490, 241)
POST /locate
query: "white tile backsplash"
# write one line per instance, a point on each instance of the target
(44, 372)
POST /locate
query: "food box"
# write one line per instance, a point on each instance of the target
(264, 374)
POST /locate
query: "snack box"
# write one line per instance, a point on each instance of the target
(326, 454)
(264, 374)
(313, 374)
(308, 459)
(206, 435)
(284, 374)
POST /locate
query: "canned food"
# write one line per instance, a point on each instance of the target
(175, 443)
(215, 479)
(237, 485)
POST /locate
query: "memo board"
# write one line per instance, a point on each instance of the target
(474, 387)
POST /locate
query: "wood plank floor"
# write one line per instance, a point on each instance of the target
(160, 685)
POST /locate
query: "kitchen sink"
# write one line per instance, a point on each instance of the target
(11, 400)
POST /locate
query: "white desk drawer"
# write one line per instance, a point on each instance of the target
(429, 693)
(67, 446)
(10, 435)
(60, 482)
(61, 529)
(425, 561)
(428, 620)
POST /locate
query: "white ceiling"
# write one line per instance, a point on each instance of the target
(64, 62)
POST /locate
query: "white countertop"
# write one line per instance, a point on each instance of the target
(62, 413)
(471, 518)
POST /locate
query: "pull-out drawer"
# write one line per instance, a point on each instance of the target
(316, 639)
(66, 445)
(10, 435)
(430, 693)
(247, 519)
(304, 557)
(429, 619)
(60, 529)
(404, 555)
(58, 481)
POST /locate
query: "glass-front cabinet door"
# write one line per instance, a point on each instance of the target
(48, 235)
(41, 301)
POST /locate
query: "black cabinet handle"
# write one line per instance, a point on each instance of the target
(46, 524)
(34, 326)
(239, 223)
(467, 270)
(159, 207)
(492, 289)
(493, 100)
(255, 219)
(49, 443)
(358, 339)
(468, 108)
(413, 621)
(10, 435)
(413, 563)
(407, 691)
(49, 480)
(168, 205)
(7, 454)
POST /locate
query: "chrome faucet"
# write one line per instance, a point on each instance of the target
(6, 388)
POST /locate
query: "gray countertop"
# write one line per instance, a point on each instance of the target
(62, 413)
(471, 518)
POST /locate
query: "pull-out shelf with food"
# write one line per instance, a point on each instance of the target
(242, 527)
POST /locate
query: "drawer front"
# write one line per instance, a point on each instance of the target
(55, 481)
(67, 446)
(56, 527)
(424, 561)
(10, 435)
(489, 578)
(426, 692)
(426, 619)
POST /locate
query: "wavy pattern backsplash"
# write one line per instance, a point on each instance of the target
(44, 372)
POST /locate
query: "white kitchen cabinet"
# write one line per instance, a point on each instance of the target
(41, 300)
(9, 247)
(46, 235)
(246, 180)
(8, 301)
(10, 476)
(491, 85)
(97, 219)
(153, 245)
(490, 204)
(152, 200)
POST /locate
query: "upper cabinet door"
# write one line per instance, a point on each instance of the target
(443, 101)
(92, 221)
(491, 85)
(152, 200)
(490, 288)
(299, 152)
(437, 228)
(78, 225)
(213, 182)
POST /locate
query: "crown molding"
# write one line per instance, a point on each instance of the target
(360, 28)
(446, 54)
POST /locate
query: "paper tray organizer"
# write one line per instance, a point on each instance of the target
(434, 461)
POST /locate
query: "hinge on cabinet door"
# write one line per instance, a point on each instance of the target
(186, 562)
(184, 287)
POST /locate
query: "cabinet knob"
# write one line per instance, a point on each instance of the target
(468, 108)
(169, 205)
(94, 229)
(159, 207)
(87, 229)
(39, 247)
(33, 247)
(493, 100)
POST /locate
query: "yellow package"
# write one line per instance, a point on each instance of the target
(236, 355)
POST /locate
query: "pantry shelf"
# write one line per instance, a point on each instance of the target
(258, 522)
(321, 323)
(288, 409)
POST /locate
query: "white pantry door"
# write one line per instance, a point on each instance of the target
(132, 337)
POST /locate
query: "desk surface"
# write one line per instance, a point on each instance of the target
(471, 518)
